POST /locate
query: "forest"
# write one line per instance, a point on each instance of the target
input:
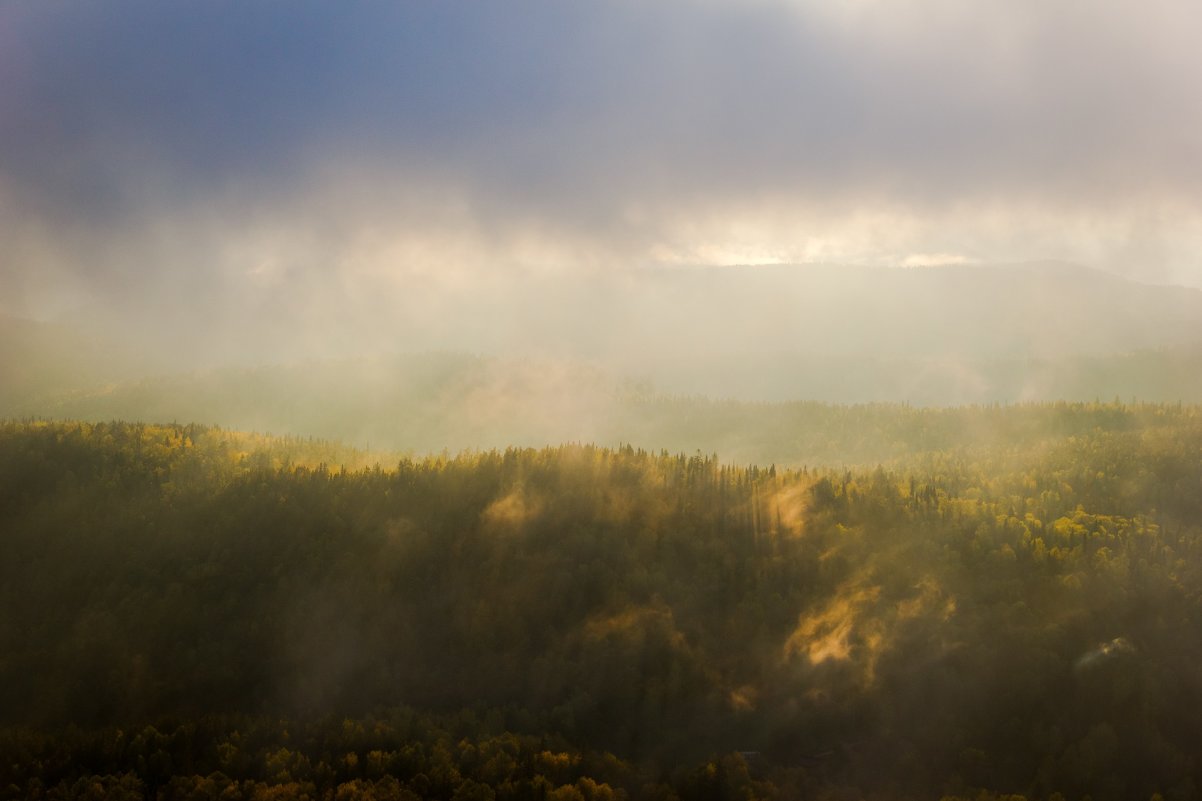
(983, 602)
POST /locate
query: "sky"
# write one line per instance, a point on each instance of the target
(156, 153)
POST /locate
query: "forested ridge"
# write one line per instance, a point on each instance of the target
(1008, 604)
(424, 403)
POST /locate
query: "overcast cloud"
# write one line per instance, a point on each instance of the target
(222, 147)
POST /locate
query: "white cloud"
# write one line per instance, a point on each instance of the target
(442, 145)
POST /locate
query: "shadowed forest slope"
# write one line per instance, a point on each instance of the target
(1017, 613)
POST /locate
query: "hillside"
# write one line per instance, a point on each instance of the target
(40, 360)
(613, 359)
(428, 403)
(1016, 613)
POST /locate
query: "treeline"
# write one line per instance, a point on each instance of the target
(1016, 614)
(435, 402)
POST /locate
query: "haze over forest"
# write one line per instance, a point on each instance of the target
(779, 201)
(615, 359)
(679, 401)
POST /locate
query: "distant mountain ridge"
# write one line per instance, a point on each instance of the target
(589, 362)
(427, 403)
(970, 311)
(649, 321)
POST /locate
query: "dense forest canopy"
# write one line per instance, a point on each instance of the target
(1008, 604)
